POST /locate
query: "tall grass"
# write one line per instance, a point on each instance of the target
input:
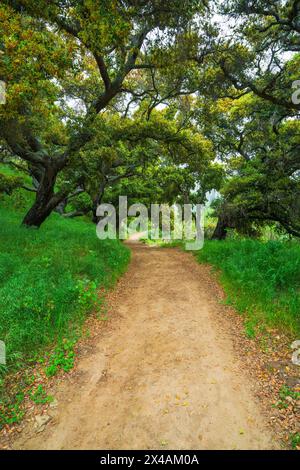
(48, 280)
(262, 279)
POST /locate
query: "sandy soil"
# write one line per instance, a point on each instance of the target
(163, 375)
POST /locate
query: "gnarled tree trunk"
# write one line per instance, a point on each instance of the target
(97, 201)
(220, 232)
(45, 200)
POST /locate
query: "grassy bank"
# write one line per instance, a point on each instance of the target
(49, 280)
(261, 279)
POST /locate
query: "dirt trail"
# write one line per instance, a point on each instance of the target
(162, 375)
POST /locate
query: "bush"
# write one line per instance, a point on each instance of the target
(262, 279)
(48, 280)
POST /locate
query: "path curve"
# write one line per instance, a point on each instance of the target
(162, 375)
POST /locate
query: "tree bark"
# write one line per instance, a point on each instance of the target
(97, 201)
(220, 232)
(73, 214)
(45, 200)
(60, 208)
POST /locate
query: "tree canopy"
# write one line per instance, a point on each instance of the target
(161, 100)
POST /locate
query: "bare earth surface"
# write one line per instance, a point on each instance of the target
(162, 375)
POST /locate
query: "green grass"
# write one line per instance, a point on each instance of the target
(261, 279)
(49, 279)
(295, 440)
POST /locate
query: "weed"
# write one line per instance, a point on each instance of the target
(260, 279)
(39, 396)
(295, 440)
(11, 410)
(48, 285)
(62, 358)
(49, 280)
(284, 393)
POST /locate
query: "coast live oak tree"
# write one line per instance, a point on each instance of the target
(47, 46)
(261, 163)
(130, 146)
(255, 128)
(263, 57)
(85, 80)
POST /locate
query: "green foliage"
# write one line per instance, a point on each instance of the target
(48, 281)
(9, 183)
(261, 164)
(261, 279)
(295, 440)
(11, 411)
(62, 358)
(284, 393)
(39, 396)
(95, 54)
(15, 198)
(11, 404)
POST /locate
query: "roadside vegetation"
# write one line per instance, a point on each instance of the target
(49, 282)
(259, 278)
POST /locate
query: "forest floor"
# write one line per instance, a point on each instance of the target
(161, 373)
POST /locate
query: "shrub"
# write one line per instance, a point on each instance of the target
(49, 280)
(259, 278)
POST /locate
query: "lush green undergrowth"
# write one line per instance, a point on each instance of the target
(49, 280)
(261, 279)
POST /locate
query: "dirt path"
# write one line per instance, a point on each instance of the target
(163, 374)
